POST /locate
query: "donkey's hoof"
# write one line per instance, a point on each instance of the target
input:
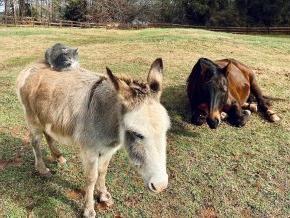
(89, 213)
(106, 198)
(61, 160)
(45, 174)
(253, 107)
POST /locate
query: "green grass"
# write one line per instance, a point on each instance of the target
(228, 172)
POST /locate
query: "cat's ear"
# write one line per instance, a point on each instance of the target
(76, 51)
(65, 50)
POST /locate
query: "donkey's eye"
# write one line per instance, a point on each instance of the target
(136, 135)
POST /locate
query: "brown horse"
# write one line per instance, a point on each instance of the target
(225, 86)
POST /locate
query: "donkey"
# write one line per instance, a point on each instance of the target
(225, 88)
(100, 114)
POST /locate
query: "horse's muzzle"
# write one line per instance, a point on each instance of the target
(213, 123)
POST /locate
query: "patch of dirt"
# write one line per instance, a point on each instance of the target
(101, 206)
(17, 132)
(208, 212)
(118, 215)
(132, 201)
(246, 213)
(15, 161)
(76, 194)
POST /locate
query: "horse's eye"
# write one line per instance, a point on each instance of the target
(225, 88)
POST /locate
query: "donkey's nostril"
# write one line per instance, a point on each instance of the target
(158, 184)
(153, 187)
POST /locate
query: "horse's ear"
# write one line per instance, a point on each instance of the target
(225, 70)
(155, 77)
(203, 66)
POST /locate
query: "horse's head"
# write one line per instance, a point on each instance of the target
(213, 91)
(145, 124)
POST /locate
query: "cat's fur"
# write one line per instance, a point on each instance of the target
(61, 57)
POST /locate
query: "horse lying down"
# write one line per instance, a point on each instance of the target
(225, 88)
(100, 114)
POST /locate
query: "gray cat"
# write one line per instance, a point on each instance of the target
(61, 57)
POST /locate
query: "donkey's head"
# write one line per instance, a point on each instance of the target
(145, 123)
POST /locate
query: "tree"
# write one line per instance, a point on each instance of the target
(266, 12)
(75, 10)
(285, 13)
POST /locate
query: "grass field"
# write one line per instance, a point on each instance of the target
(228, 172)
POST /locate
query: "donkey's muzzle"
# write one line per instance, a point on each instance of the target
(158, 186)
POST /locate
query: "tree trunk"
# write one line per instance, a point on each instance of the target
(21, 8)
(14, 12)
(41, 10)
(5, 10)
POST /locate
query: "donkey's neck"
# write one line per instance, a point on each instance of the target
(103, 120)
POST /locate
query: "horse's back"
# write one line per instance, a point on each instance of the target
(239, 77)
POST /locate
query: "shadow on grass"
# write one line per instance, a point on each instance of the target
(26, 188)
(174, 98)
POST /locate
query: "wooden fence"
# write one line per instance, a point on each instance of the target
(30, 21)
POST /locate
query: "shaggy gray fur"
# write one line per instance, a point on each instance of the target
(61, 57)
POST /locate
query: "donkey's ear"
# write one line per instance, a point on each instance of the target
(115, 81)
(121, 87)
(124, 92)
(155, 76)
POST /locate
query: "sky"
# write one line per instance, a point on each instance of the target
(1, 8)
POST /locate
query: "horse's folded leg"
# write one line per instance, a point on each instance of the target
(240, 119)
(247, 112)
(250, 106)
(244, 118)
(246, 105)
(272, 116)
(197, 119)
(253, 107)
(224, 115)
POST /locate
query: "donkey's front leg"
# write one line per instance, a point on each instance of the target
(90, 162)
(103, 194)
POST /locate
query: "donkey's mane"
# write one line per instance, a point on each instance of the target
(140, 86)
(139, 91)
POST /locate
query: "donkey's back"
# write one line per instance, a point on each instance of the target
(58, 104)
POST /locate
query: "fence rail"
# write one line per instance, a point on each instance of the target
(30, 21)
